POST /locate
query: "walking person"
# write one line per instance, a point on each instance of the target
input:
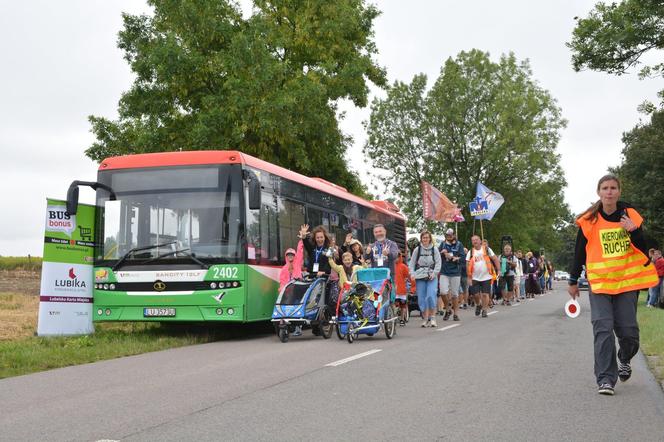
(424, 266)
(610, 243)
(655, 293)
(532, 282)
(383, 252)
(402, 279)
(481, 264)
(519, 280)
(451, 254)
(508, 264)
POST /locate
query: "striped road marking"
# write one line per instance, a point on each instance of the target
(448, 327)
(352, 358)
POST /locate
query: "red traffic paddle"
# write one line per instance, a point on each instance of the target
(572, 308)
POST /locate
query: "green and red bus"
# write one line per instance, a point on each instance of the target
(201, 235)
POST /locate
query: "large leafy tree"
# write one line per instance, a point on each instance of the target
(206, 78)
(642, 173)
(480, 121)
(614, 37)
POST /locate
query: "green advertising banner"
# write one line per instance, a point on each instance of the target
(65, 297)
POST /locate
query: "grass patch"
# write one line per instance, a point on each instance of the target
(18, 316)
(21, 352)
(32, 263)
(651, 325)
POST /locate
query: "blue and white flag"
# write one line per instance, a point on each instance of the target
(493, 201)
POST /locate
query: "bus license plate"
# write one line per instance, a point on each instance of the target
(152, 312)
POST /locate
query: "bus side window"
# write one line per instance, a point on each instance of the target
(269, 236)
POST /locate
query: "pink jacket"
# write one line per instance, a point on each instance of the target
(285, 276)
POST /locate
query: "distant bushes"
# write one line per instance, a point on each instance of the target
(32, 263)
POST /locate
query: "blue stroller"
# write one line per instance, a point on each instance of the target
(367, 306)
(302, 303)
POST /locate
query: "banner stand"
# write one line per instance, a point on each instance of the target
(66, 290)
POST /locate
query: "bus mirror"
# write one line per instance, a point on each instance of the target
(254, 192)
(72, 199)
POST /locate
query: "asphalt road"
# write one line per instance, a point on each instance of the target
(523, 373)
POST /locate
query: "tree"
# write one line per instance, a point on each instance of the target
(481, 121)
(615, 36)
(642, 173)
(267, 85)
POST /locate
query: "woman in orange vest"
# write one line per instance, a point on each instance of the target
(610, 244)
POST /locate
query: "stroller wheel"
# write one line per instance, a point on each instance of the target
(390, 324)
(325, 325)
(350, 337)
(338, 329)
(283, 335)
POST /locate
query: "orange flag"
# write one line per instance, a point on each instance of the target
(437, 207)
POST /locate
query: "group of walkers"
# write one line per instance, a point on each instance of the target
(442, 274)
(438, 275)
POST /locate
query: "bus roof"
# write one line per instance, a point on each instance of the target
(199, 157)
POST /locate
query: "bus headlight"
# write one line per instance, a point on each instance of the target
(112, 286)
(220, 311)
(105, 286)
(213, 285)
(100, 312)
(230, 311)
(108, 312)
(235, 283)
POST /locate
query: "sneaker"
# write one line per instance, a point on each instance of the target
(402, 322)
(447, 315)
(650, 305)
(606, 389)
(465, 306)
(440, 313)
(484, 315)
(478, 310)
(508, 303)
(624, 371)
(425, 324)
(455, 318)
(297, 331)
(433, 323)
(517, 300)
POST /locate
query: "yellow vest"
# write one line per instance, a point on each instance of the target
(613, 264)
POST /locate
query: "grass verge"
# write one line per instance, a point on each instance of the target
(651, 325)
(21, 352)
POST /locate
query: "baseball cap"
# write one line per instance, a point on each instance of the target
(290, 252)
(449, 232)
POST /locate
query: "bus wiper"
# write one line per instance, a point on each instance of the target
(139, 249)
(176, 252)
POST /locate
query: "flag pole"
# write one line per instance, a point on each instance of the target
(482, 229)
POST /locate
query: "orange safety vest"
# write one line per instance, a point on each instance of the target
(487, 260)
(613, 264)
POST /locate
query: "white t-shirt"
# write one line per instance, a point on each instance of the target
(480, 271)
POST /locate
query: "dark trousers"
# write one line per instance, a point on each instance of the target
(613, 314)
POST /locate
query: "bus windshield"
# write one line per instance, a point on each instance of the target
(184, 210)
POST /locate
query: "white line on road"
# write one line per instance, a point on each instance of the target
(448, 327)
(352, 358)
(491, 313)
(516, 305)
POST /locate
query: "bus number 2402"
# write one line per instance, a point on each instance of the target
(225, 272)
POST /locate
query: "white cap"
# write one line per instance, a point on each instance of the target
(449, 232)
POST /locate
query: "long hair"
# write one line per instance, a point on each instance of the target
(592, 212)
(324, 230)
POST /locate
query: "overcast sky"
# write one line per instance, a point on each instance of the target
(60, 64)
